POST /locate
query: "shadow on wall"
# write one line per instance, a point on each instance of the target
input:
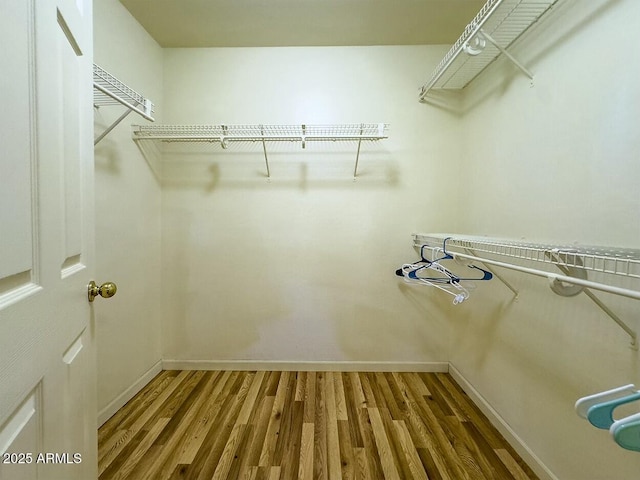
(425, 299)
(107, 159)
(110, 149)
(244, 164)
(468, 321)
(385, 327)
(542, 337)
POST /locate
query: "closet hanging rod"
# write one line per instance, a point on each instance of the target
(625, 292)
(620, 262)
(575, 281)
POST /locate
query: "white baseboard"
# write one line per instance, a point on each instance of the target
(305, 366)
(120, 401)
(503, 427)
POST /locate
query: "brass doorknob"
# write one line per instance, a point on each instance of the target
(106, 290)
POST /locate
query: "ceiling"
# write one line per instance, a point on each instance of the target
(269, 23)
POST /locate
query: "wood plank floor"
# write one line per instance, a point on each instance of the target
(201, 425)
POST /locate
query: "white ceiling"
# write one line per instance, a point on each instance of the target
(266, 23)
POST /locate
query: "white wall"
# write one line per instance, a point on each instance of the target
(127, 213)
(301, 268)
(556, 162)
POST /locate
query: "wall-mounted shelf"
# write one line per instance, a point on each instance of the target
(498, 24)
(574, 262)
(108, 90)
(224, 134)
(616, 261)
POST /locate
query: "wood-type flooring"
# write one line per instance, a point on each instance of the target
(202, 425)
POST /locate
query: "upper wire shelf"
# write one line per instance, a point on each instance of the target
(498, 24)
(616, 261)
(227, 133)
(303, 133)
(108, 90)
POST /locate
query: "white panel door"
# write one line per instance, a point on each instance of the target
(47, 359)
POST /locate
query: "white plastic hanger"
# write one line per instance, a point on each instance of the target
(447, 284)
(585, 403)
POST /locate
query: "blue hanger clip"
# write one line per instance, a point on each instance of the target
(626, 432)
(601, 414)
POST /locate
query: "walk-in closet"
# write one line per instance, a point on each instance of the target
(322, 240)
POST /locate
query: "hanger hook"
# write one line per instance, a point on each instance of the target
(422, 247)
(444, 247)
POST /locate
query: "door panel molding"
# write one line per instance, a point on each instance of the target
(19, 258)
(26, 413)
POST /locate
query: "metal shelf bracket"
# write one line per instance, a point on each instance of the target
(108, 90)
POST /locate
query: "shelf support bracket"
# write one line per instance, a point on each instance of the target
(107, 90)
(223, 137)
(111, 127)
(507, 54)
(496, 274)
(614, 317)
(576, 281)
(264, 149)
(632, 333)
(355, 170)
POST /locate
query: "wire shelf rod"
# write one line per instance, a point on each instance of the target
(615, 261)
(554, 276)
(575, 281)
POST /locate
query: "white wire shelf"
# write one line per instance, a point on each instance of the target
(231, 133)
(109, 91)
(615, 261)
(224, 134)
(498, 24)
(573, 261)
